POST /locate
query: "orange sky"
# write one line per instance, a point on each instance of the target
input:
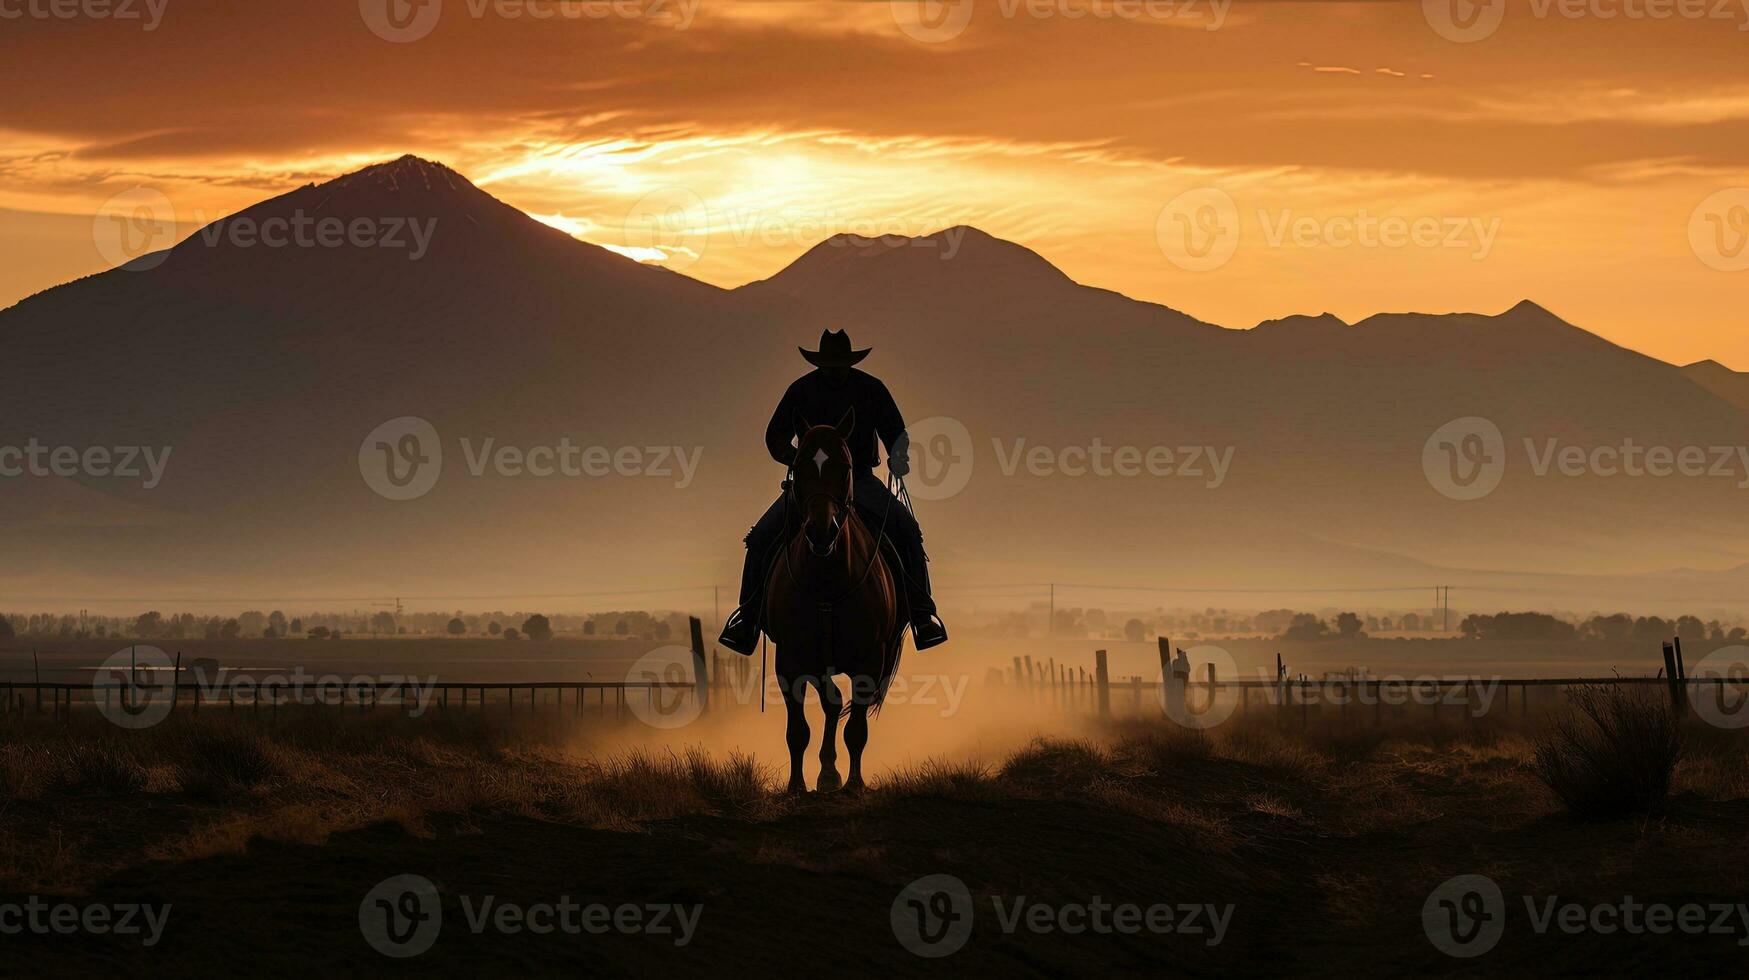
(1349, 157)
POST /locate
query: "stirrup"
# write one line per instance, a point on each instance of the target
(740, 633)
(928, 631)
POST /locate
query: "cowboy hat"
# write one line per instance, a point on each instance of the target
(834, 350)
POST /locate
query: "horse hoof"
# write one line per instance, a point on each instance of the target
(828, 782)
(855, 787)
(797, 789)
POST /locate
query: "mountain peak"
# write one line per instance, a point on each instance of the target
(960, 256)
(1526, 308)
(1326, 320)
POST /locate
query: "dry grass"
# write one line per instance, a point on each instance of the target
(1614, 752)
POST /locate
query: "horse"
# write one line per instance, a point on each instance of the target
(832, 605)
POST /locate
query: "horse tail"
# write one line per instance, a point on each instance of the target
(891, 652)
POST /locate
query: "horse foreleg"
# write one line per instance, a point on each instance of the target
(796, 733)
(832, 703)
(855, 739)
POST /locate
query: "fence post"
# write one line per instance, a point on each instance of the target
(1102, 680)
(1681, 671)
(700, 682)
(1670, 677)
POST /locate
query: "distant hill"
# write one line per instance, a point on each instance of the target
(266, 367)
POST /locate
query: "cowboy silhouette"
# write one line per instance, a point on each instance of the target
(825, 395)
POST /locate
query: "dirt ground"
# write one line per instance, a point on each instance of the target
(1318, 852)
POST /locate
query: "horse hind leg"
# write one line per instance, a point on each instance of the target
(796, 733)
(832, 703)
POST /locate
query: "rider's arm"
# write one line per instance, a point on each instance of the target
(889, 424)
(780, 434)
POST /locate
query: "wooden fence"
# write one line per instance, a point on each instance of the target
(1048, 683)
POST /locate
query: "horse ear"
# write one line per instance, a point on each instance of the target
(802, 427)
(847, 423)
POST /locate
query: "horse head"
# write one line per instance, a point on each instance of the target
(821, 480)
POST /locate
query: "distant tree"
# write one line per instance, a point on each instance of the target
(149, 625)
(1518, 626)
(230, 629)
(1384, 622)
(1134, 630)
(664, 631)
(270, 633)
(1348, 624)
(1306, 627)
(383, 622)
(318, 633)
(5, 629)
(621, 628)
(494, 629)
(511, 634)
(1650, 629)
(1617, 627)
(589, 627)
(276, 622)
(1737, 635)
(537, 627)
(1411, 623)
(252, 622)
(1690, 628)
(457, 627)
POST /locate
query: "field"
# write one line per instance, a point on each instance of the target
(1311, 850)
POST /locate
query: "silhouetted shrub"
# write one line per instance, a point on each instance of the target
(1612, 752)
